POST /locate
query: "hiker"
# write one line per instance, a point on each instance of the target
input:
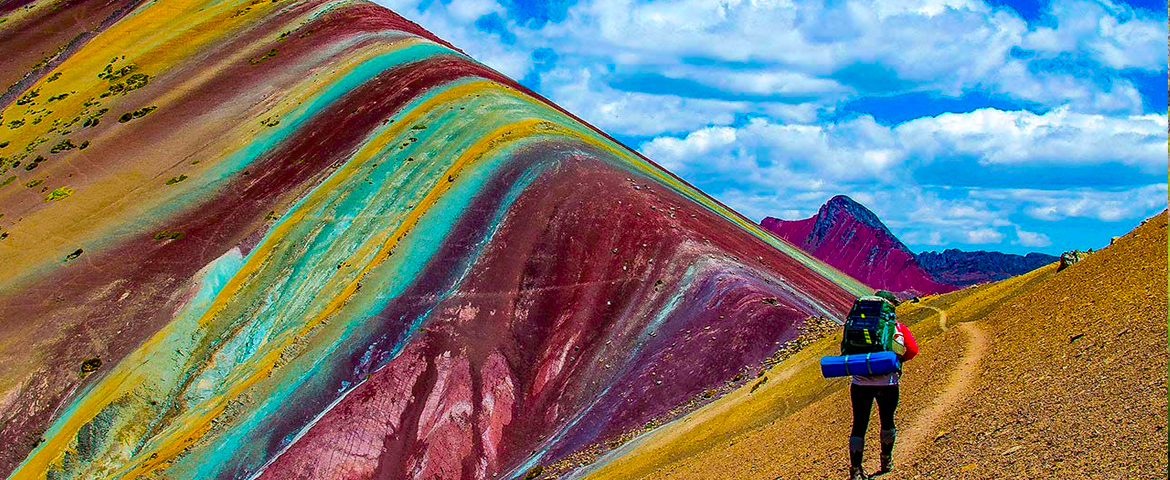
(883, 388)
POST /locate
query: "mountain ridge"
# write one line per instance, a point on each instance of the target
(959, 267)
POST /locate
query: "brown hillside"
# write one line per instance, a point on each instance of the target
(1075, 386)
(1045, 375)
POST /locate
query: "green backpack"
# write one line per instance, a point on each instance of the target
(869, 327)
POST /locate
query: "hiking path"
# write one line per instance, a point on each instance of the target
(925, 426)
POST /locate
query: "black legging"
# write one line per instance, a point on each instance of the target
(863, 397)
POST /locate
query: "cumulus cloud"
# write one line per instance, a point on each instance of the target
(758, 81)
(1059, 137)
(1110, 33)
(923, 237)
(1024, 80)
(936, 216)
(769, 153)
(1102, 205)
(980, 236)
(861, 148)
(1031, 239)
(631, 113)
(824, 53)
(830, 50)
(844, 48)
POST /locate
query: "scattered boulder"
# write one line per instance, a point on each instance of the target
(1070, 257)
(90, 366)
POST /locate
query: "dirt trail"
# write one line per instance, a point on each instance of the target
(925, 425)
(942, 316)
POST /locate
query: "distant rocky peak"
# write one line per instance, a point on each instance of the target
(840, 208)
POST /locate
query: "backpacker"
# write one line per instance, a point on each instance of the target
(869, 327)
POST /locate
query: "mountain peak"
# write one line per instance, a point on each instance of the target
(847, 235)
(831, 211)
(843, 200)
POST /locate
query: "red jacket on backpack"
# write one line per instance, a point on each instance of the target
(908, 340)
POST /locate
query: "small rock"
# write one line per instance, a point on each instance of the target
(90, 366)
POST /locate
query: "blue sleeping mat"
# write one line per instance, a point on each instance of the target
(859, 364)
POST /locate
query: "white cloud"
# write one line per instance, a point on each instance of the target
(631, 113)
(1060, 89)
(771, 82)
(673, 152)
(1058, 137)
(923, 237)
(470, 10)
(768, 153)
(1031, 239)
(928, 8)
(1112, 34)
(981, 236)
(795, 48)
(793, 204)
(944, 46)
(1103, 205)
(790, 113)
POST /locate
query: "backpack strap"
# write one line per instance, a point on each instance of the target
(868, 367)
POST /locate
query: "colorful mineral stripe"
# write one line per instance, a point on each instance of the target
(307, 239)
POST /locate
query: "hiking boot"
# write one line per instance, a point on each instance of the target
(857, 473)
(888, 437)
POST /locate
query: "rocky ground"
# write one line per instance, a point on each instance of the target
(1076, 384)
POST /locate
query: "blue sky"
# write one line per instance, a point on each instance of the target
(1011, 125)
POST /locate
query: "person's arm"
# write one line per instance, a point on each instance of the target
(908, 340)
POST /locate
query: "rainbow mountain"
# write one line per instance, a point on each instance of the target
(308, 239)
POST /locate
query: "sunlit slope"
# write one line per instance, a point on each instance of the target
(1066, 354)
(308, 239)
